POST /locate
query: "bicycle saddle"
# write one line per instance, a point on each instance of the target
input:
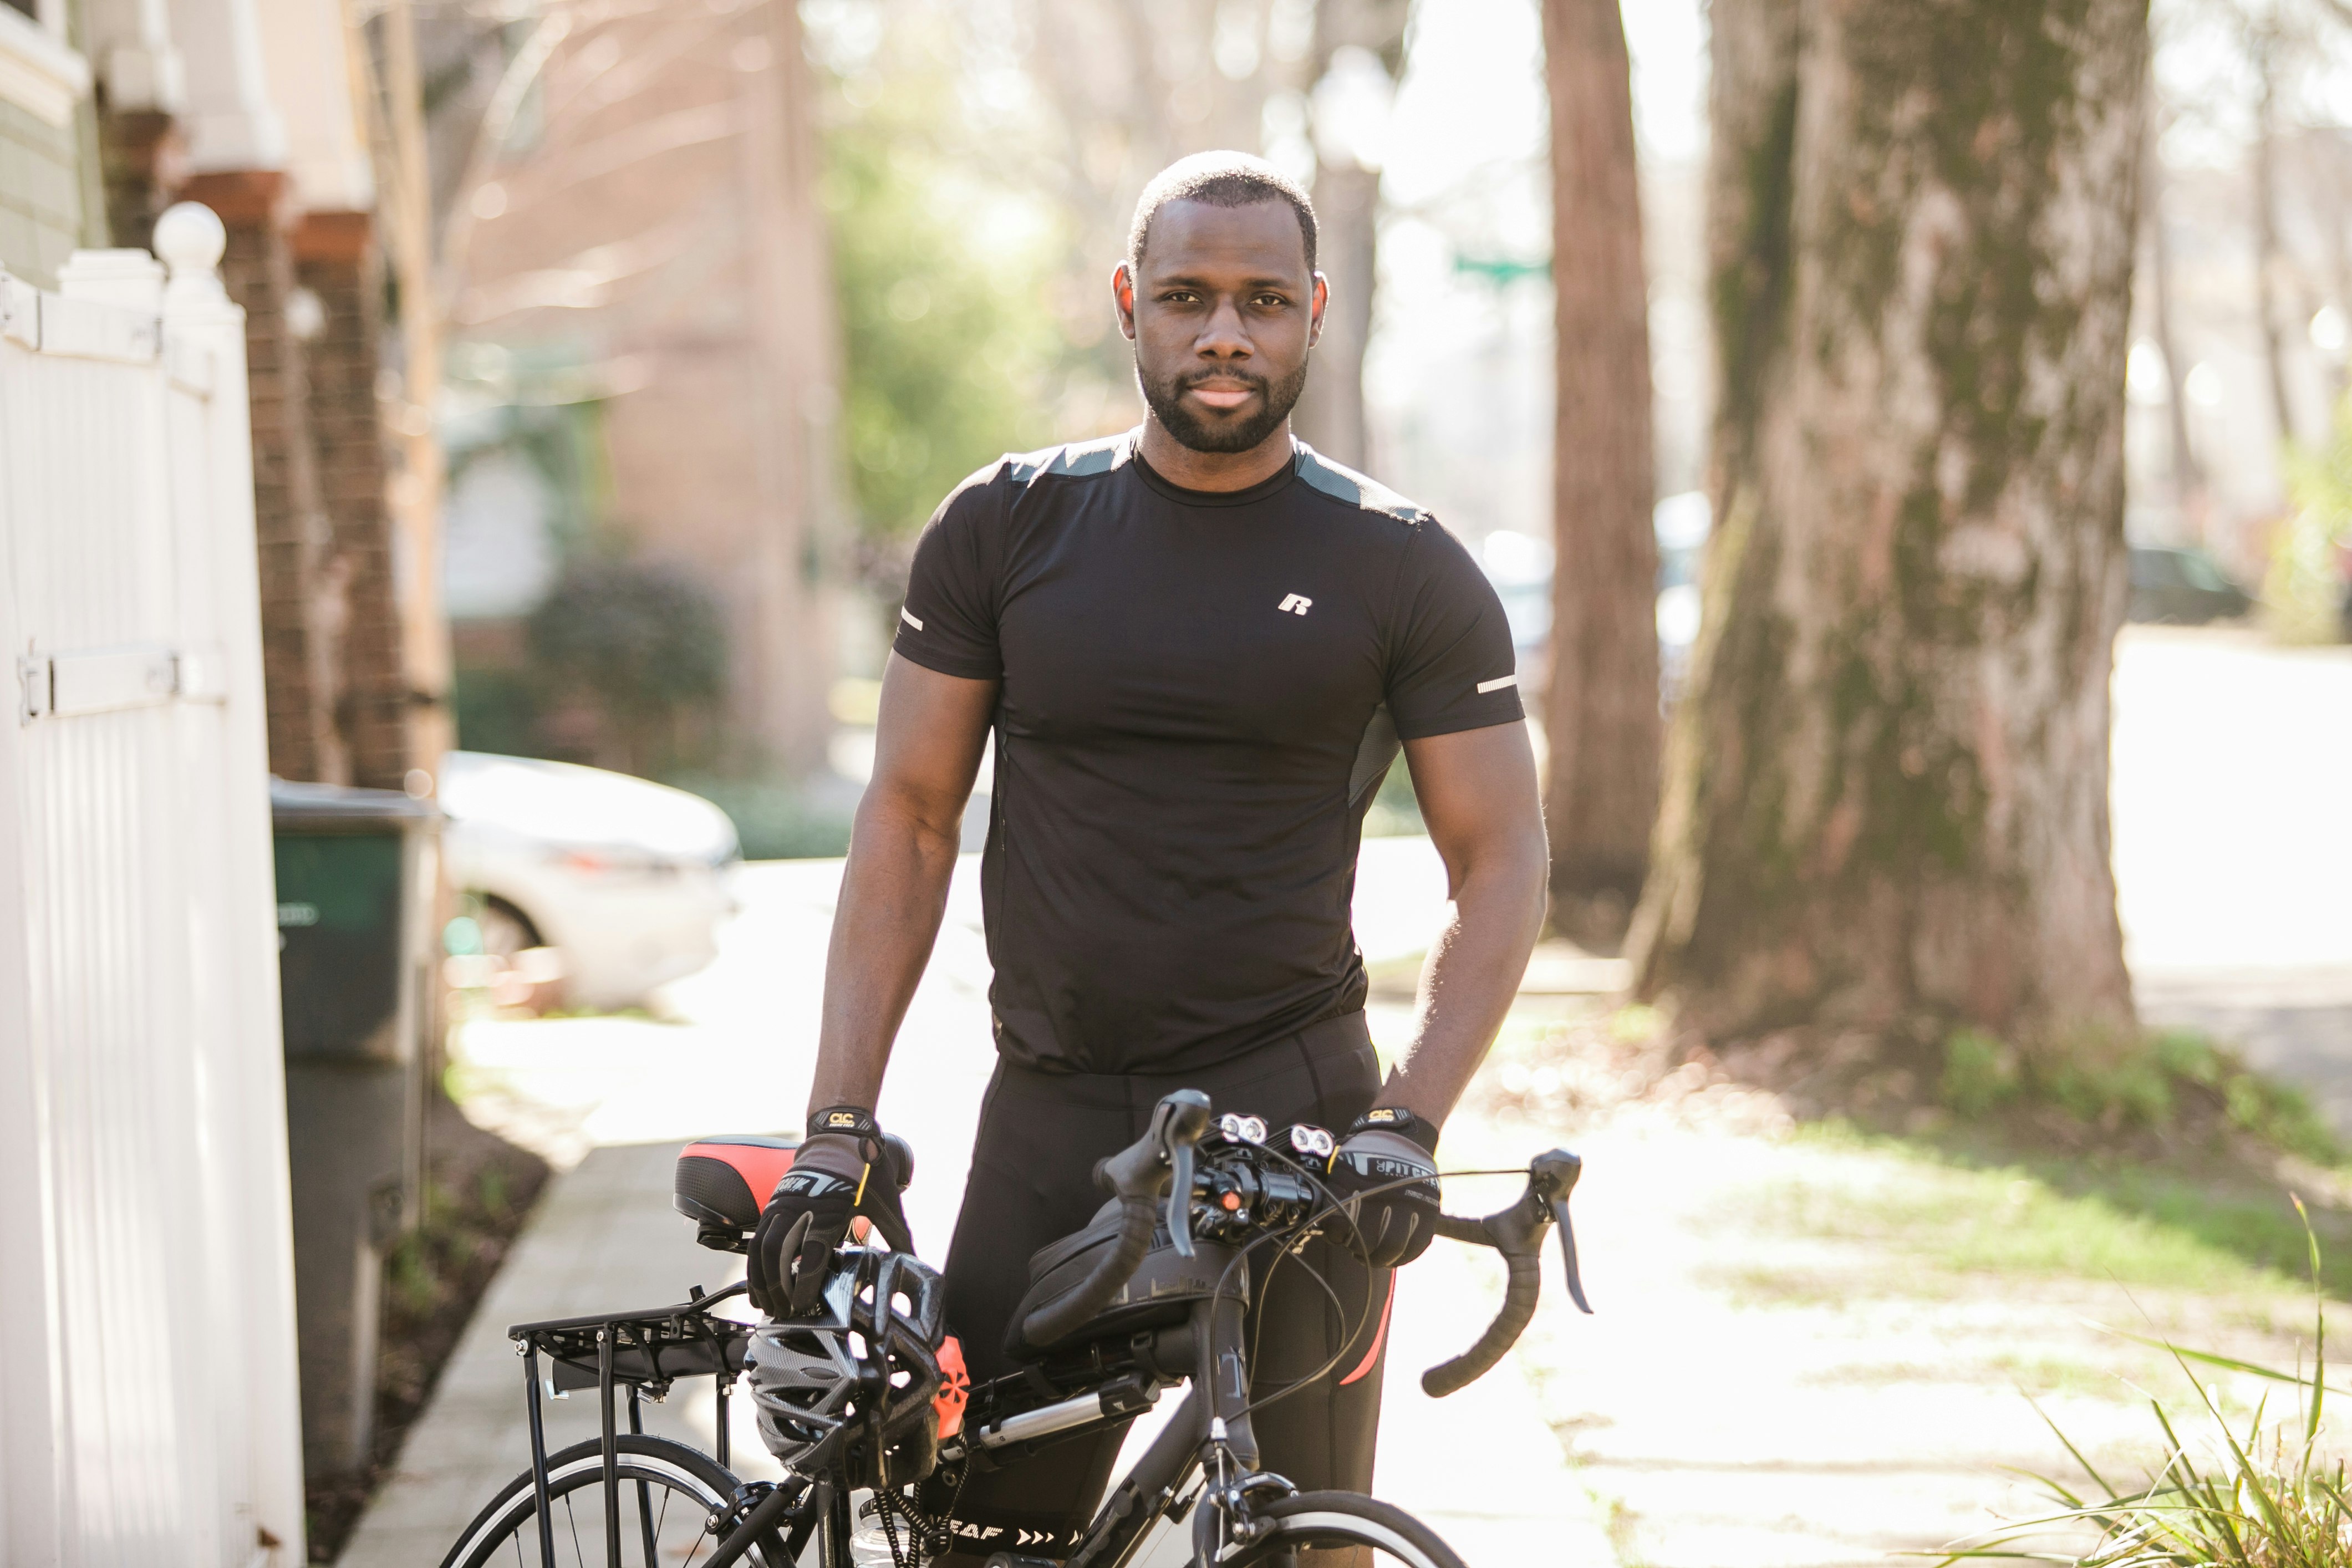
(723, 1181)
(1161, 1294)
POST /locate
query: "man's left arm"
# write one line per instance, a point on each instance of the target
(1478, 796)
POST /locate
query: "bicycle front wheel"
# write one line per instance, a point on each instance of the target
(669, 1494)
(1313, 1522)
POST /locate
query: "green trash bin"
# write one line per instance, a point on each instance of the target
(357, 871)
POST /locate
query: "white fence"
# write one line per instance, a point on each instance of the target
(148, 1413)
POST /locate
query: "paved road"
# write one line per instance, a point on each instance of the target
(2233, 845)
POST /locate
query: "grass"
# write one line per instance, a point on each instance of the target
(1958, 1212)
(2247, 1494)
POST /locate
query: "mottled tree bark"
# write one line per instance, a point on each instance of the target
(1886, 798)
(1600, 705)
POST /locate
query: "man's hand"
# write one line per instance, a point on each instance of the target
(835, 1177)
(1384, 1175)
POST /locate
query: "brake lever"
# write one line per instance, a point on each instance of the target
(1180, 1199)
(1552, 1177)
(1180, 1120)
(1568, 1257)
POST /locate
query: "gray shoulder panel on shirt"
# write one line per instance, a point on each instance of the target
(1346, 485)
(1078, 461)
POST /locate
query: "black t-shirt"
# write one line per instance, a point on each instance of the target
(1201, 692)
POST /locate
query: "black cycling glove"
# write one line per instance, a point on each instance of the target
(839, 1172)
(1384, 1175)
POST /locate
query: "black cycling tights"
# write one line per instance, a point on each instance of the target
(1033, 1182)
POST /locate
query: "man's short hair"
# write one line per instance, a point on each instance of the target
(1218, 180)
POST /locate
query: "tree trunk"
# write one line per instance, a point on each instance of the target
(2268, 261)
(1600, 705)
(2188, 474)
(1330, 415)
(1887, 799)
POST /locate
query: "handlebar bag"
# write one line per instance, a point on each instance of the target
(1159, 1295)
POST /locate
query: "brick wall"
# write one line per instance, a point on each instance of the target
(298, 596)
(336, 258)
(138, 155)
(40, 195)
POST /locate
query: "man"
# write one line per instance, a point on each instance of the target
(1199, 647)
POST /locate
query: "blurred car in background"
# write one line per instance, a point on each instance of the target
(608, 884)
(1682, 523)
(2181, 587)
(1519, 565)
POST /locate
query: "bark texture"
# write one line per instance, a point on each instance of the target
(1600, 705)
(1887, 799)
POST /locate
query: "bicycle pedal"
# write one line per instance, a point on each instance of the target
(1007, 1560)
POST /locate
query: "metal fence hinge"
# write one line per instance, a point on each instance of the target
(103, 680)
(38, 694)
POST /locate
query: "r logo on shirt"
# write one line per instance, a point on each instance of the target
(1296, 603)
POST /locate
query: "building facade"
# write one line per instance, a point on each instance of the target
(113, 110)
(644, 236)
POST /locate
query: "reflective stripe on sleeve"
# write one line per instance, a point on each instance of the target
(1484, 686)
(911, 621)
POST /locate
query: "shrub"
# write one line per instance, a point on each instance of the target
(1980, 1072)
(2145, 1082)
(774, 821)
(642, 645)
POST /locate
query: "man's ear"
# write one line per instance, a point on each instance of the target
(1315, 317)
(1122, 298)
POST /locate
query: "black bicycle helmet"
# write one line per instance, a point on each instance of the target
(873, 1361)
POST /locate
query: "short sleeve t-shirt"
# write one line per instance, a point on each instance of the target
(1201, 692)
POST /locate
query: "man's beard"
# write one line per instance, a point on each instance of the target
(1275, 400)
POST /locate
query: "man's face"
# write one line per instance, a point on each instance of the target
(1223, 315)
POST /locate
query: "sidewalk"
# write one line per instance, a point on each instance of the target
(617, 1096)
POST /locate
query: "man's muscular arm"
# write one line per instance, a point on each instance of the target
(1478, 793)
(926, 746)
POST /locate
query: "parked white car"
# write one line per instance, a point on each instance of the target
(627, 880)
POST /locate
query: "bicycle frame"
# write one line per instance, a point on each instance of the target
(1101, 1383)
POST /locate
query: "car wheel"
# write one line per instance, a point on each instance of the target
(506, 931)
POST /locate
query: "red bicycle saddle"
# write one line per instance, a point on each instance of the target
(723, 1181)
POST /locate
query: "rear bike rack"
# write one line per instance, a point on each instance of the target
(645, 1351)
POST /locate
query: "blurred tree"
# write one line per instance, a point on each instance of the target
(1600, 710)
(2308, 593)
(2188, 474)
(1886, 796)
(947, 347)
(1358, 55)
(631, 657)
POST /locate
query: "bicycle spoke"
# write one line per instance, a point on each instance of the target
(577, 1550)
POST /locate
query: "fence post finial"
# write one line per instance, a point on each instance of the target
(190, 239)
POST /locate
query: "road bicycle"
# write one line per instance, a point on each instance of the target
(867, 1393)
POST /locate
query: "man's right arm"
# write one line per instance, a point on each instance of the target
(928, 741)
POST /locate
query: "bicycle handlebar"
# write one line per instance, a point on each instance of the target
(1159, 1167)
(1516, 1232)
(1158, 1164)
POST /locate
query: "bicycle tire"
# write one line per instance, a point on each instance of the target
(686, 1475)
(1312, 1520)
